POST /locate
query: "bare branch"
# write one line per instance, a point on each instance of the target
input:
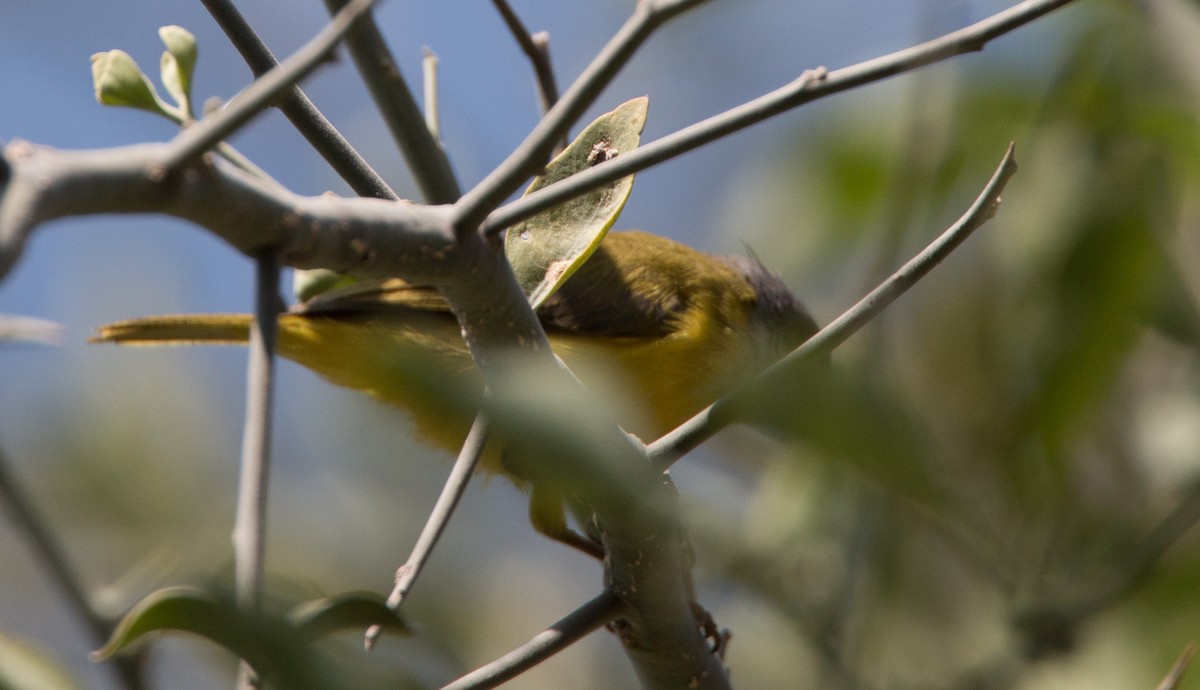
(1172, 679)
(810, 86)
(544, 645)
(439, 517)
(299, 110)
(29, 329)
(206, 133)
(364, 237)
(250, 524)
(537, 48)
(531, 154)
(682, 440)
(429, 72)
(426, 159)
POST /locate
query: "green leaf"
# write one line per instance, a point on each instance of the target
(25, 667)
(178, 64)
(346, 611)
(545, 250)
(182, 609)
(119, 81)
(273, 647)
(308, 283)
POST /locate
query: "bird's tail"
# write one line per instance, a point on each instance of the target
(177, 330)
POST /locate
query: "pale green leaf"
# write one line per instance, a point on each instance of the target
(178, 64)
(308, 283)
(119, 81)
(545, 250)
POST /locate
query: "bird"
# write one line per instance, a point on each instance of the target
(672, 327)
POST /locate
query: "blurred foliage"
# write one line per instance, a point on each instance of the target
(282, 650)
(995, 472)
(25, 667)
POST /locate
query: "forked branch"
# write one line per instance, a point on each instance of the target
(810, 86)
(299, 110)
(544, 645)
(526, 160)
(403, 117)
(666, 450)
(205, 134)
(537, 48)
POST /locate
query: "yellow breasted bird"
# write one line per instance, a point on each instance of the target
(677, 327)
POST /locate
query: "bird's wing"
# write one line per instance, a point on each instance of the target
(376, 295)
(595, 303)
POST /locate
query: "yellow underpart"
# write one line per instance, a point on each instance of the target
(419, 363)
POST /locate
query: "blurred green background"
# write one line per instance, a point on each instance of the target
(993, 492)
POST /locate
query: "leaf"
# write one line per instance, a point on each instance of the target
(119, 81)
(308, 283)
(346, 611)
(273, 647)
(178, 64)
(175, 608)
(545, 250)
(25, 667)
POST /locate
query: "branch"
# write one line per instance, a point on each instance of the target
(429, 73)
(1175, 675)
(374, 238)
(360, 236)
(426, 159)
(250, 524)
(810, 86)
(682, 440)
(537, 48)
(544, 645)
(439, 517)
(206, 133)
(635, 511)
(528, 158)
(299, 110)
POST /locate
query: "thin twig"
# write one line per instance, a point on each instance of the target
(1171, 681)
(261, 93)
(537, 48)
(453, 490)
(674, 445)
(528, 158)
(548, 92)
(250, 524)
(378, 68)
(429, 73)
(29, 329)
(810, 86)
(544, 645)
(54, 559)
(299, 110)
